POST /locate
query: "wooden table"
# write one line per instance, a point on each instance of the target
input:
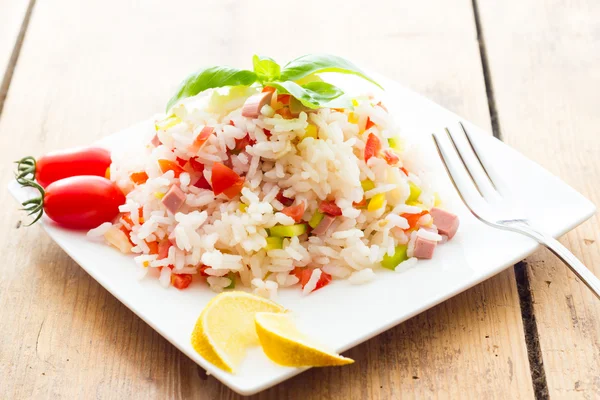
(528, 71)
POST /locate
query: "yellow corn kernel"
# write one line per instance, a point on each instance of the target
(167, 123)
(353, 118)
(311, 131)
(146, 264)
(159, 195)
(242, 207)
(355, 102)
(376, 202)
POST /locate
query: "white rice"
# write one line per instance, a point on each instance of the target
(226, 236)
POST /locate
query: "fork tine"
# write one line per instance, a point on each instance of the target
(460, 178)
(474, 166)
(496, 182)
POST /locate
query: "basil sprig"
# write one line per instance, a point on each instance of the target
(267, 72)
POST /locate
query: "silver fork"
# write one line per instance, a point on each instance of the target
(490, 201)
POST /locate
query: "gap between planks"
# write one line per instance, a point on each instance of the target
(530, 328)
(14, 57)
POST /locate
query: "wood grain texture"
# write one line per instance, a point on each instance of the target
(544, 58)
(12, 14)
(108, 64)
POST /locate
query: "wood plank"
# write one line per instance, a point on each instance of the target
(12, 14)
(544, 58)
(104, 70)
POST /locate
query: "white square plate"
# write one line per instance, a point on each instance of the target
(341, 315)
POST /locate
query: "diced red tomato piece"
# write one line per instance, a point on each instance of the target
(390, 157)
(329, 207)
(267, 133)
(285, 113)
(286, 201)
(196, 165)
(360, 204)
(284, 99)
(225, 180)
(181, 281)
(139, 178)
(168, 165)
(372, 147)
(413, 218)
(240, 144)
(370, 124)
(268, 89)
(163, 249)
(127, 232)
(296, 212)
(202, 270)
(201, 139)
(181, 161)
(404, 170)
(323, 280)
(231, 122)
(153, 247)
(304, 274)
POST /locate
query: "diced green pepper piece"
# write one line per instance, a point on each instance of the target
(390, 262)
(274, 243)
(288, 231)
(395, 143)
(415, 192)
(231, 276)
(316, 219)
(367, 185)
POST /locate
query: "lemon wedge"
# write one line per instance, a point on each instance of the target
(285, 345)
(225, 328)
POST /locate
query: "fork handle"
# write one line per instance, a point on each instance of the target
(582, 272)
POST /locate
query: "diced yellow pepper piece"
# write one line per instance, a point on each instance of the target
(159, 195)
(436, 200)
(353, 118)
(311, 131)
(242, 207)
(355, 102)
(376, 202)
(367, 185)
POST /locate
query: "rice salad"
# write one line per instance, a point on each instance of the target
(245, 185)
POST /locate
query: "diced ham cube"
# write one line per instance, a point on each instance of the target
(323, 225)
(155, 141)
(446, 223)
(174, 199)
(424, 248)
(255, 103)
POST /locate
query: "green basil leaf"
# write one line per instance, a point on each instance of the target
(318, 63)
(266, 68)
(312, 95)
(212, 77)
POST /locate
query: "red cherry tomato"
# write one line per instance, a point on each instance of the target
(372, 147)
(329, 207)
(225, 180)
(82, 202)
(71, 162)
